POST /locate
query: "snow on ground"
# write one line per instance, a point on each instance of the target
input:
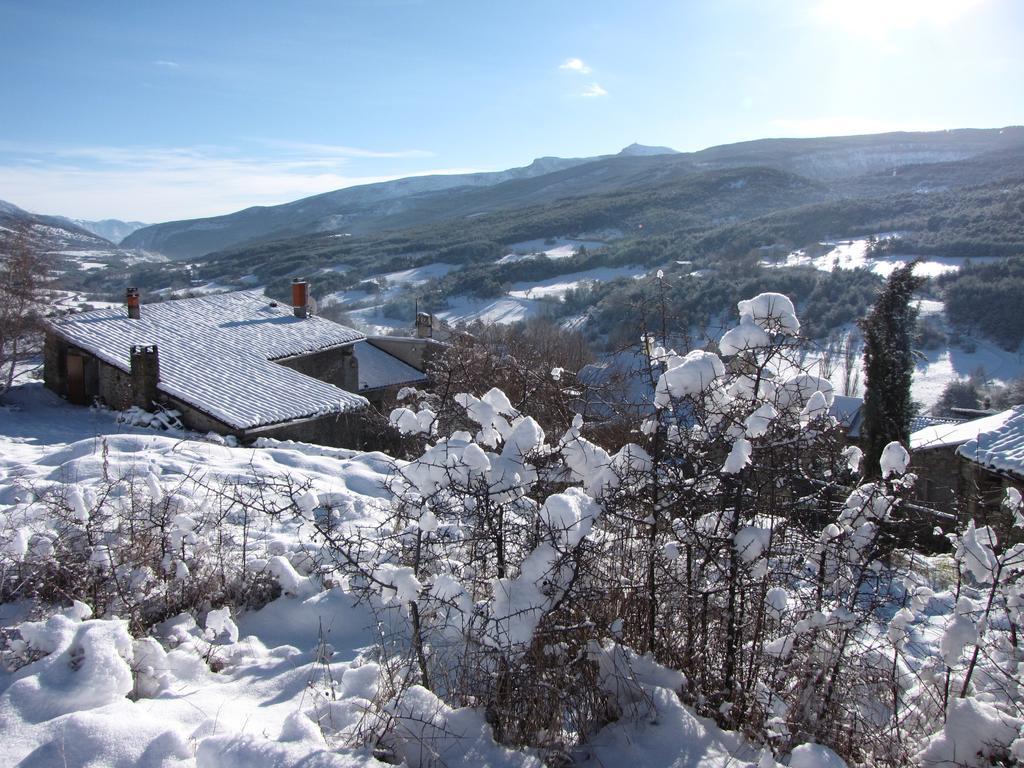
(553, 248)
(504, 310)
(258, 710)
(74, 301)
(941, 366)
(852, 254)
(373, 322)
(937, 368)
(523, 301)
(557, 287)
(207, 289)
(286, 685)
(394, 283)
(101, 258)
(417, 275)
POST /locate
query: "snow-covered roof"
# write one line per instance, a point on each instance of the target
(999, 447)
(378, 369)
(216, 353)
(847, 411)
(942, 435)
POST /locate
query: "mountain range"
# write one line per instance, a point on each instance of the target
(848, 166)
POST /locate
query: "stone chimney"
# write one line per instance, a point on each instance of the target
(300, 297)
(424, 325)
(145, 375)
(132, 300)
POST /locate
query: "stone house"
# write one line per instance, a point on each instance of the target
(968, 466)
(236, 364)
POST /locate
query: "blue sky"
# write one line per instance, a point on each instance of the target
(164, 110)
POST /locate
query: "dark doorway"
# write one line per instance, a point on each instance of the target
(76, 379)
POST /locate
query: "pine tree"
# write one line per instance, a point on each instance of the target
(889, 365)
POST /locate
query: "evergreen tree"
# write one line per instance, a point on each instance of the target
(889, 365)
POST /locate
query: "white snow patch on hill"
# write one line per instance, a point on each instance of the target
(557, 287)
(852, 254)
(553, 248)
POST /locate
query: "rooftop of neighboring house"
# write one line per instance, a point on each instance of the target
(995, 442)
(1000, 445)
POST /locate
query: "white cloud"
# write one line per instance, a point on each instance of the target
(593, 91)
(575, 65)
(164, 183)
(167, 64)
(335, 150)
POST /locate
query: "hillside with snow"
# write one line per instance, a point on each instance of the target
(421, 201)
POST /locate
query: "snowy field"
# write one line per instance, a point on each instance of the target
(92, 259)
(852, 254)
(557, 287)
(523, 301)
(936, 368)
(553, 248)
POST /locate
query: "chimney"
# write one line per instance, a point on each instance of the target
(132, 300)
(300, 297)
(424, 325)
(145, 372)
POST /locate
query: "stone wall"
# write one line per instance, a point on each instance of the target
(939, 476)
(362, 429)
(102, 380)
(54, 372)
(337, 366)
(115, 386)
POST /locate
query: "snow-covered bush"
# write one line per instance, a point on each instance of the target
(482, 555)
(976, 682)
(141, 548)
(730, 542)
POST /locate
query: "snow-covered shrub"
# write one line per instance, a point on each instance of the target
(977, 678)
(141, 548)
(483, 555)
(513, 556)
(731, 539)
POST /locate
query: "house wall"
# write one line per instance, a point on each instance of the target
(115, 386)
(414, 352)
(111, 385)
(951, 483)
(337, 366)
(54, 372)
(939, 479)
(361, 429)
(984, 491)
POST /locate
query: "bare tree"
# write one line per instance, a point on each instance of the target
(23, 281)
